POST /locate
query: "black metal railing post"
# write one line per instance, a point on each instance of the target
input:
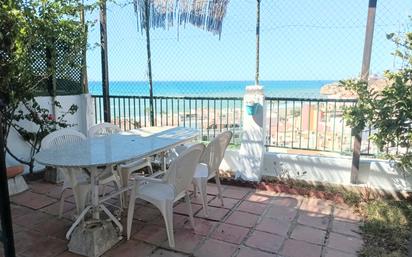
(5, 213)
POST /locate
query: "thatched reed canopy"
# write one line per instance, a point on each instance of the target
(205, 14)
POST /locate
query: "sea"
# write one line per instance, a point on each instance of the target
(278, 88)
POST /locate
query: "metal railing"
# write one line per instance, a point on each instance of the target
(313, 124)
(207, 114)
(308, 124)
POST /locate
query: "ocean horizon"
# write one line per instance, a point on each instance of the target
(274, 88)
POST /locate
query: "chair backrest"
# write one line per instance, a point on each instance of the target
(215, 151)
(182, 169)
(61, 137)
(103, 129)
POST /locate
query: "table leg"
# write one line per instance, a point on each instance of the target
(113, 218)
(78, 220)
(163, 161)
(95, 193)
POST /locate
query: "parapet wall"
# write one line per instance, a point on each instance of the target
(375, 174)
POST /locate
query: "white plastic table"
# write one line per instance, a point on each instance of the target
(94, 153)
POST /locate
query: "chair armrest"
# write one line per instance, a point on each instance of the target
(157, 174)
(128, 165)
(147, 179)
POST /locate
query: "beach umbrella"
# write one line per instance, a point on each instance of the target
(204, 14)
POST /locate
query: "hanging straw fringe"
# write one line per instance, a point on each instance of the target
(205, 14)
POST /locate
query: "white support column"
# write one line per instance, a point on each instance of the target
(253, 134)
(87, 113)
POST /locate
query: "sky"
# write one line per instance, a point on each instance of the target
(300, 40)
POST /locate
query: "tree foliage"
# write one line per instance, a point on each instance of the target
(30, 34)
(389, 111)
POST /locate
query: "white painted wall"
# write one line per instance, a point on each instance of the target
(378, 174)
(82, 120)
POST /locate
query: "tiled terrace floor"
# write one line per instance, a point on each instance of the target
(251, 224)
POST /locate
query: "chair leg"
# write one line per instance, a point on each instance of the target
(194, 188)
(189, 207)
(202, 183)
(103, 189)
(61, 208)
(168, 217)
(149, 165)
(118, 186)
(219, 188)
(130, 212)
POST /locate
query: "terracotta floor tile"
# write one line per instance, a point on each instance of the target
(283, 201)
(136, 227)
(228, 203)
(54, 228)
(131, 248)
(32, 200)
(69, 254)
(214, 213)
(252, 207)
(179, 221)
(281, 213)
(26, 239)
(308, 234)
(42, 187)
(316, 206)
(202, 226)
(346, 228)
(230, 233)
(56, 192)
(295, 248)
(320, 221)
(185, 241)
(242, 219)
(54, 208)
(181, 208)
(344, 243)
(214, 248)
(236, 193)
(274, 226)
(46, 248)
(146, 214)
(211, 189)
(198, 199)
(264, 241)
(249, 252)
(152, 234)
(17, 211)
(258, 198)
(335, 253)
(166, 253)
(32, 219)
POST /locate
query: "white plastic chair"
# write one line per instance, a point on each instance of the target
(212, 157)
(124, 170)
(103, 129)
(163, 192)
(78, 181)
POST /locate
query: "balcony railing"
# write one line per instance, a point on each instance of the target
(292, 123)
(209, 115)
(308, 124)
